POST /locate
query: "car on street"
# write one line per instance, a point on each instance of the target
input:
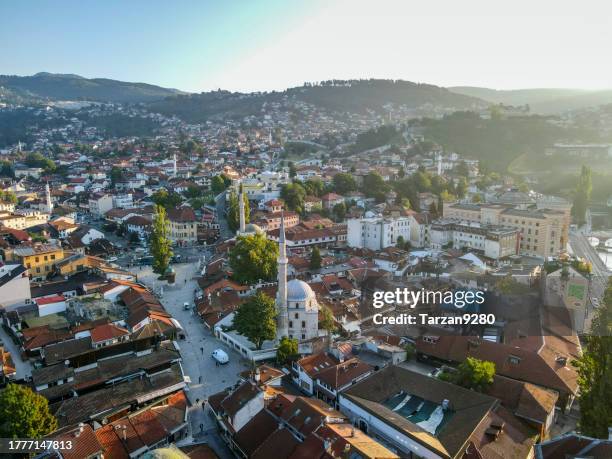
(186, 306)
(220, 356)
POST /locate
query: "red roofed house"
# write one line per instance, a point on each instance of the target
(108, 334)
(50, 304)
(329, 200)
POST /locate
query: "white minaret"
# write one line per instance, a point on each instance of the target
(48, 198)
(270, 136)
(282, 327)
(440, 164)
(242, 216)
(174, 166)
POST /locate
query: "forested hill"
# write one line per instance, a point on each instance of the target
(544, 100)
(336, 95)
(52, 86)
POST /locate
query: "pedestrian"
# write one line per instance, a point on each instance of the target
(217, 363)
(202, 349)
(185, 280)
(199, 380)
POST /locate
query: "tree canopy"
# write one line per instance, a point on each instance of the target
(233, 211)
(256, 319)
(24, 414)
(168, 200)
(315, 258)
(595, 372)
(253, 258)
(344, 183)
(161, 246)
(582, 195)
(287, 350)
(293, 194)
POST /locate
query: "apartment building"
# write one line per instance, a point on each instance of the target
(183, 226)
(100, 203)
(39, 259)
(493, 241)
(542, 232)
(377, 233)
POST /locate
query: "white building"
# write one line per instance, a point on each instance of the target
(377, 233)
(493, 241)
(123, 201)
(100, 203)
(14, 286)
(51, 304)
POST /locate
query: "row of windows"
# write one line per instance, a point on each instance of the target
(291, 323)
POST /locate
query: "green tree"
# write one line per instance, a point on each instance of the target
(582, 195)
(461, 187)
(445, 196)
(116, 174)
(217, 184)
(256, 319)
(374, 186)
(410, 351)
(38, 160)
(167, 200)
(314, 187)
(327, 322)
(24, 414)
(344, 183)
(8, 196)
(340, 211)
(233, 210)
(475, 374)
(133, 237)
(287, 350)
(293, 194)
(595, 372)
(253, 258)
(6, 169)
(315, 258)
(161, 246)
(292, 171)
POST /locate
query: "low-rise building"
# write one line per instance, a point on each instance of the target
(377, 233)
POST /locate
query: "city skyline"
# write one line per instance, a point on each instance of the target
(270, 45)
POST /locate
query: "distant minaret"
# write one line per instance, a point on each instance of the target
(270, 136)
(48, 198)
(281, 295)
(174, 168)
(19, 146)
(440, 164)
(241, 207)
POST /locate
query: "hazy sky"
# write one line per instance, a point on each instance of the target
(274, 44)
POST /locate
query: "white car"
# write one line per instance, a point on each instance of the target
(220, 356)
(112, 259)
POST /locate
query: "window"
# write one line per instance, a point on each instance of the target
(303, 324)
(297, 316)
(291, 324)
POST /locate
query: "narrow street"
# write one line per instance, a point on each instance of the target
(198, 365)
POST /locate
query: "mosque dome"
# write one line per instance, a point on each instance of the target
(298, 290)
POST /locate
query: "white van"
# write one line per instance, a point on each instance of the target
(220, 356)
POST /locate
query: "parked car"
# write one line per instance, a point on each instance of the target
(111, 259)
(220, 356)
(186, 305)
